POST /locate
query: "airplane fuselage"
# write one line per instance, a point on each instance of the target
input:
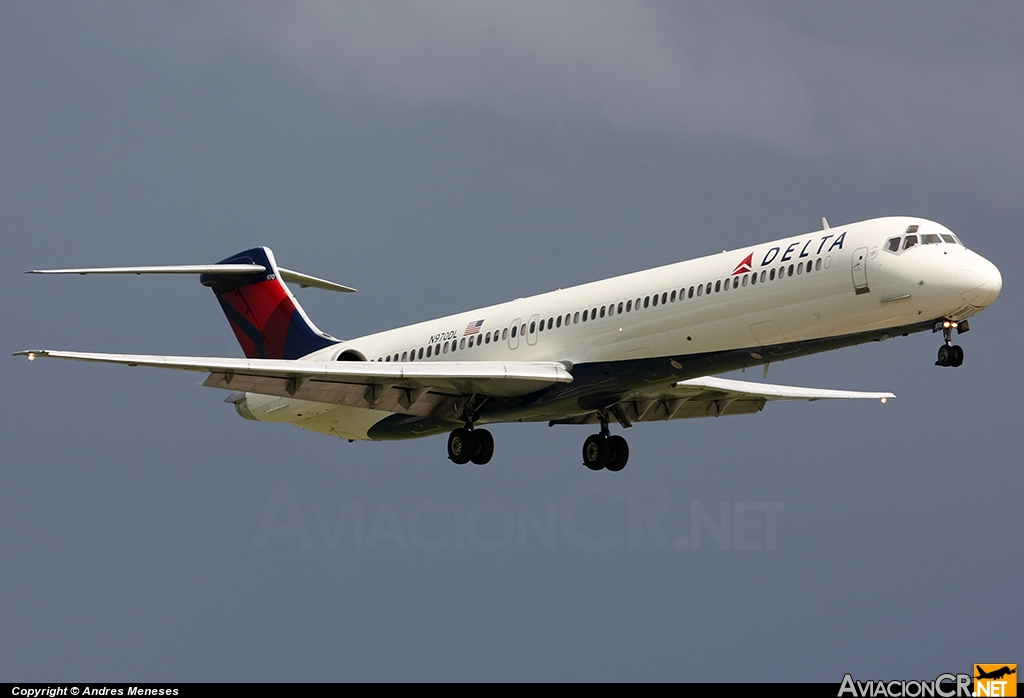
(809, 293)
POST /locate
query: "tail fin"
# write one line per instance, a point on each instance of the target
(265, 317)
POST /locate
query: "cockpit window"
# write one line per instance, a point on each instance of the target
(930, 239)
(892, 244)
(909, 242)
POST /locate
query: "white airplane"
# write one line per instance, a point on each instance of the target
(634, 348)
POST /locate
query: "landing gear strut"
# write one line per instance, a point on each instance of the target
(603, 450)
(466, 444)
(950, 354)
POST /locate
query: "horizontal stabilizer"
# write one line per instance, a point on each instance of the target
(168, 269)
(307, 281)
(287, 275)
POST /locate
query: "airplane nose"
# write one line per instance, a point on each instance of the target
(979, 282)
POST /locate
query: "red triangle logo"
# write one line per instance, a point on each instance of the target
(743, 266)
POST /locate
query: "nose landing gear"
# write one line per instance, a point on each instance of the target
(950, 354)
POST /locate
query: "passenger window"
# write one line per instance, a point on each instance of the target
(817, 262)
(629, 306)
(514, 331)
(462, 343)
(745, 280)
(700, 290)
(799, 268)
(791, 270)
(504, 333)
(420, 353)
(551, 323)
(654, 301)
(808, 266)
(619, 309)
(718, 286)
(540, 327)
(405, 356)
(522, 330)
(892, 245)
(707, 289)
(771, 275)
(455, 345)
(593, 313)
(763, 274)
(558, 322)
(637, 304)
(387, 359)
(445, 347)
(909, 242)
(585, 313)
(664, 297)
(672, 298)
(567, 318)
(487, 338)
(471, 342)
(690, 293)
(647, 301)
(428, 351)
(576, 318)
(611, 310)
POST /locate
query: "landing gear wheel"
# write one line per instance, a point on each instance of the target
(485, 447)
(619, 453)
(462, 445)
(945, 357)
(958, 355)
(596, 451)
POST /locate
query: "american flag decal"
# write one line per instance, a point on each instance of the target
(473, 328)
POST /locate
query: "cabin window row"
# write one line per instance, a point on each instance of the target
(652, 301)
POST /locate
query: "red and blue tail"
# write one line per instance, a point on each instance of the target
(264, 315)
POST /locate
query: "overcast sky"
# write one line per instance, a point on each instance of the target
(444, 156)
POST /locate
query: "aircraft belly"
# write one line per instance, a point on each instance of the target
(344, 422)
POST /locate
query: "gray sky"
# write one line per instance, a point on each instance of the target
(444, 156)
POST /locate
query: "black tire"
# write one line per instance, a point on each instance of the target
(462, 444)
(945, 357)
(596, 451)
(958, 355)
(485, 447)
(619, 453)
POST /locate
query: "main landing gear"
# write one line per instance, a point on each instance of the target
(605, 451)
(466, 444)
(951, 354)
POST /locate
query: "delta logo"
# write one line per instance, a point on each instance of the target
(995, 680)
(744, 266)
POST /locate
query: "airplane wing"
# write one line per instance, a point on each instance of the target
(428, 388)
(711, 396)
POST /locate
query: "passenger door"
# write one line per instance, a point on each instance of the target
(860, 270)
